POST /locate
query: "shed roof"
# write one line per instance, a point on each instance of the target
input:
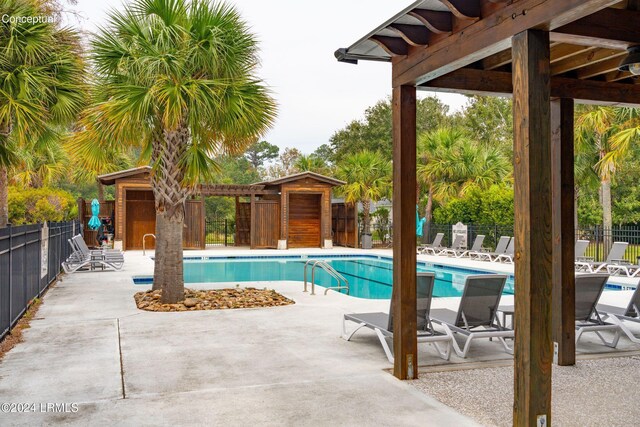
(110, 178)
(303, 175)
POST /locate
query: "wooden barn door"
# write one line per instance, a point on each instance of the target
(304, 220)
(140, 218)
(193, 234)
(243, 224)
(267, 224)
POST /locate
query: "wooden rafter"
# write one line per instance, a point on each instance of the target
(587, 57)
(608, 28)
(489, 36)
(415, 35)
(603, 67)
(463, 9)
(394, 46)
(436, 22)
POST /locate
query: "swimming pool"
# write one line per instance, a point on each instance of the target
(369, 276)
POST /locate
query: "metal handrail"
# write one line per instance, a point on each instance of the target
(330, 270)
(144, 240)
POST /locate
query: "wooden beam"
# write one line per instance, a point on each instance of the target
(559, 52)
(499, 83)
(616, 75)
(564, 296)
(532, 233)
(463, 9)
(488, 36)
(252, 222)
(603, 67)
(608, 28)
(583, 59)
(405, 338)
(415, 35)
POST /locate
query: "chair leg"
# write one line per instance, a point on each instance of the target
(460, 352)
(628, 332)
(344, 329)
(385, 345)
(444, 354)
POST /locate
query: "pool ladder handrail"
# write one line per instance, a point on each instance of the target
(332, 272)
(144, 238)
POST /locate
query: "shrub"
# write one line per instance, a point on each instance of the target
(35, 205)
(491, 206)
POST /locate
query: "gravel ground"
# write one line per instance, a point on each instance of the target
(602, 392)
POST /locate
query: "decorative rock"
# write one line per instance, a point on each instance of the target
(191, 302)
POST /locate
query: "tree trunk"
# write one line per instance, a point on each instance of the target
(100, 192)
(170, 197)
(366, 217)
(4, 181)
(4, 197)
(606, 213)
(428, 214)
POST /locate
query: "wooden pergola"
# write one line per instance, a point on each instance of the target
(547, 54)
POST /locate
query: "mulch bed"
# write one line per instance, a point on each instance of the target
(219, 299)
(15, 335)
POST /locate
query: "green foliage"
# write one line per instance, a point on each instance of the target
(312, 163)
(260, 152)
(233, 170)
(489, 121)
(491, 206)
(35, 205)
(374, 132)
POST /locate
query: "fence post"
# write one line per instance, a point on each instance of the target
(225, 231)
(10, 275)
(597, 234)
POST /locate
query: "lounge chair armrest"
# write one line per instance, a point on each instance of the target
(620, 262)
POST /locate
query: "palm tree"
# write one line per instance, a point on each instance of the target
(311, 163)
(41, 82)
(177, 78)
(450, 165)
(41, 162)
(605, 134)
(368, 179)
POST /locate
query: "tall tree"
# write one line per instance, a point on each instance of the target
(41, 82)
(311, 163)
(605, 135)
(179, 78)
(286, 164)
(450, 165)
(368, 179)
(260, 152)
(374, 132)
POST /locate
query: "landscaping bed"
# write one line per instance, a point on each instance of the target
(219, 299)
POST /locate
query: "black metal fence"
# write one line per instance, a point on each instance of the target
(219, 232)
(600, 238)
(29, 264)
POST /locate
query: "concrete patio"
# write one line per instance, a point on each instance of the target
(90, 345)
(275, 366)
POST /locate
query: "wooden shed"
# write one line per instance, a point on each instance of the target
(135, 215)
(289, 212)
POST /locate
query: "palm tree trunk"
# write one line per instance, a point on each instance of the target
(607, 220)
(366, 217)
(4, 197)
(4, 182)
(428, 214)
(170, 197)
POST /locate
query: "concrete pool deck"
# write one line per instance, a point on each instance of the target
(90, 345)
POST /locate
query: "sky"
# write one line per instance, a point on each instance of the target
(316, 94)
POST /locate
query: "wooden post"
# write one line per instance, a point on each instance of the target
(405, 344)
(100, 192)
(564, 296)
(252, 221)
(533, 228)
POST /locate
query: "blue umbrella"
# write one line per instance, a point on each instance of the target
(94, 222)
(419, 223)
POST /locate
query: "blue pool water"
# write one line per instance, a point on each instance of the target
(369, 277)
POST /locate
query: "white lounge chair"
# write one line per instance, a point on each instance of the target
(507, 256)
(616, 256)
(456, 245)
(435, 245)
(589, 287)
(476, 247)
(477, 315)
(382, 323)
(620, 315)
(485, 255)
(84, 258)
